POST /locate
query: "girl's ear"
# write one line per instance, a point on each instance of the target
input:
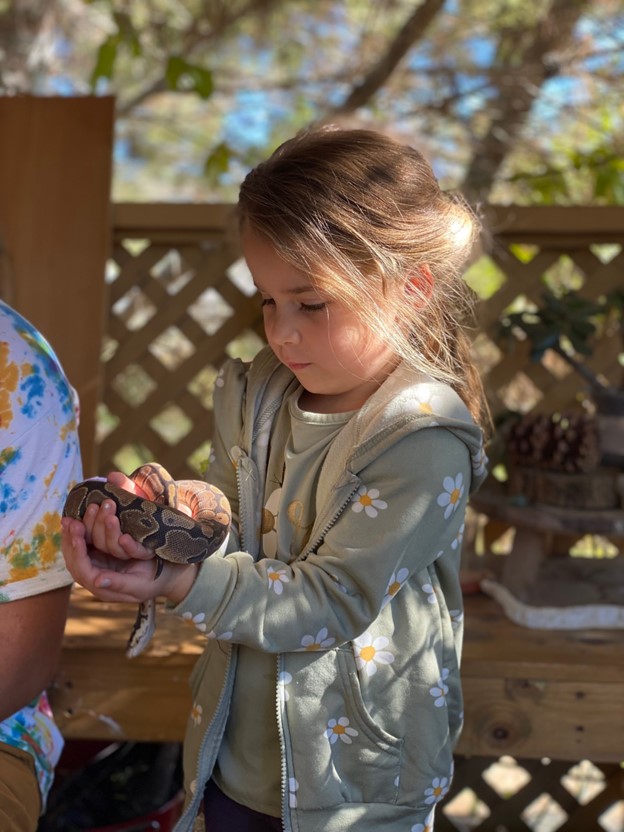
(419, 286)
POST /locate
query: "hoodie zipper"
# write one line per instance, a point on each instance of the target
(193, 806)
(280, 729)
(336, 515)
(280, 724)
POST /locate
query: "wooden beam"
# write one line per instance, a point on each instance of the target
(55, 175)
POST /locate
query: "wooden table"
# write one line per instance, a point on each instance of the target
(538, 527)
(528, 693)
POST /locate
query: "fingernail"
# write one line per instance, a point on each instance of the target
(104, 583)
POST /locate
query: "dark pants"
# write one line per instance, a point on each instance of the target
(225, 815)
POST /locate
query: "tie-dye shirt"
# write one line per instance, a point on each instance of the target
(39, 462)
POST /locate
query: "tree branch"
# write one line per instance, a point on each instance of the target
(192, 39)
(527, 70)
(410, 33)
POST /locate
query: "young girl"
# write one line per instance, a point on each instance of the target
(328, 696)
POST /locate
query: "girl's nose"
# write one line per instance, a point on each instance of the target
(283, 329)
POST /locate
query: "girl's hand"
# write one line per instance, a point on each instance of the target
(113, 566)
(102, 525)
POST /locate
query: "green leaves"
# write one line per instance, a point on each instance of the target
(179, 75)
(217, 162)
(125, 36)
(187, 77)
(569, 317)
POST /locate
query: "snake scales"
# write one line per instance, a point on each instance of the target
(156, 523)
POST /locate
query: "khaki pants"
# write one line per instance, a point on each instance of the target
(20, 801)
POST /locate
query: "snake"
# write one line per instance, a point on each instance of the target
(157, 523)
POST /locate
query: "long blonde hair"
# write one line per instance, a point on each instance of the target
(362, 214)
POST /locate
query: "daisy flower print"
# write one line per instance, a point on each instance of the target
(340, 729)
(452, 494)
(397, 579)
(440, 690)
(439, 788)
(370, 653)
(277, 578)
(367, 500)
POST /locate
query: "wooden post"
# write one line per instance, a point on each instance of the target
(55, 177)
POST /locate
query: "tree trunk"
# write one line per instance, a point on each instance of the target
(525, 60)
(410, 33)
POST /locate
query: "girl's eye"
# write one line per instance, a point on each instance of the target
(267, 302)
(312, 307)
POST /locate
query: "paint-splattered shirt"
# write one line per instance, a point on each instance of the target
(39, 462)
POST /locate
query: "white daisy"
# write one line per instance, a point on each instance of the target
(293, 786)
(367, 500)
(339, 729)
(457, 616)
(196, 713)
(440, 690)
(319, 642)
(397, 579)
(277, 578)
(452, 494)
(285, 678)
(438, 790)
(430, 593)
(226, 636)
(479, 462)
(199, 620)
(369, 653)
(427, 826)
(457, 540)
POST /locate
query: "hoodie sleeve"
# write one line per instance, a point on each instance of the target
(229, 399)
(402, 514)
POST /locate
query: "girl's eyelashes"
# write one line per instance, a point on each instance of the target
(304, 307)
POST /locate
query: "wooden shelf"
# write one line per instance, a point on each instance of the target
(528, 693)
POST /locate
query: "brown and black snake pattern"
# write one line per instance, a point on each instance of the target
(157, 524)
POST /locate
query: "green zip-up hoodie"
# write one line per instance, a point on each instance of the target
(366, 626)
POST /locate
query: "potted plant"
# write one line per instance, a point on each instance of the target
(569, 325)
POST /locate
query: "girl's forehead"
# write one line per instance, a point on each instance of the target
(269, 270)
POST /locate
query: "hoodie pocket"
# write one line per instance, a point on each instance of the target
(340, 754)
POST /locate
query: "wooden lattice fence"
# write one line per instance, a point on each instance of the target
(178, 303)
(577, 248)
(176, 310)
(510, 795)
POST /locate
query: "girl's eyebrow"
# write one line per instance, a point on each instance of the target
(296, 290)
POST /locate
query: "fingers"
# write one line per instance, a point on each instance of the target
(130, 580)
(103, 529)
(126, 587)
(122, 481)
(133, 548)
(83, 569)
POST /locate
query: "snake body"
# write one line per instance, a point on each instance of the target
(157, 524)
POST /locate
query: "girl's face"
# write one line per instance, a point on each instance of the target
(337, 360)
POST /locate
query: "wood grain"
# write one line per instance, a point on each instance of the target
(528, 692)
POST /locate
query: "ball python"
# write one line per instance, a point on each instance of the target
(155, 522)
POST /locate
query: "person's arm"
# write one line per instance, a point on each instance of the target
(32, 629)
(414, 520)
(39, 463)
